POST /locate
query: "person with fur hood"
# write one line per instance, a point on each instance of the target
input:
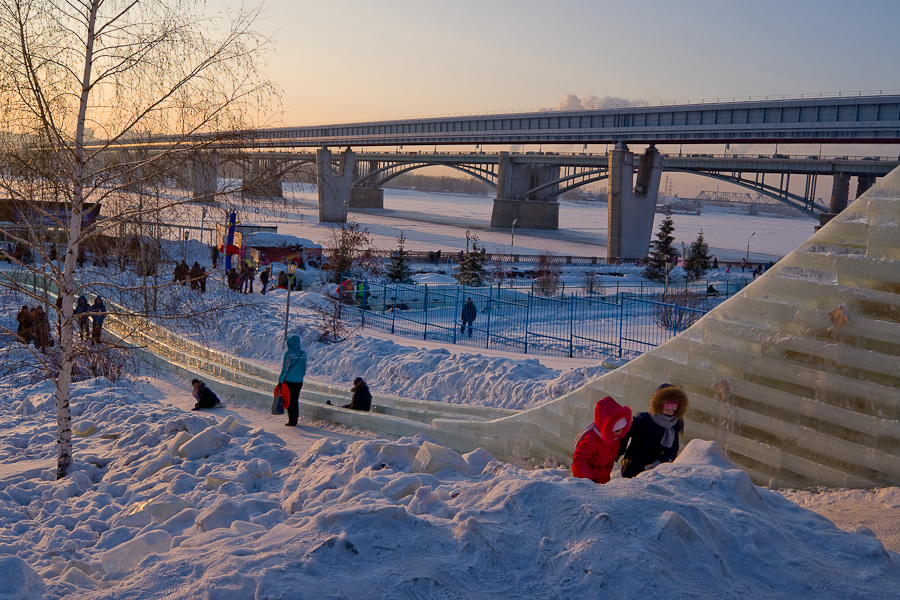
(597, 448)
(653, 438)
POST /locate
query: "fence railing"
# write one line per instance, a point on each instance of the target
(582, 325)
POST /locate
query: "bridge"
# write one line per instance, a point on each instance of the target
(527, 185)
(843, 119)
(374, 169)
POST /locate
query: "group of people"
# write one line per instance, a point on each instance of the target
(643, 443)
(34, 326)
(89, 317)
(195, 276)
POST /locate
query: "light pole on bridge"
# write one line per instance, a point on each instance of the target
(748, 248)
(512, 234)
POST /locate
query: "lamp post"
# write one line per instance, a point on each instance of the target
(467, 240)
(748, 248)
(291, 269)
(512, 233)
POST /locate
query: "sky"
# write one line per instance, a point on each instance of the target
(347, 61)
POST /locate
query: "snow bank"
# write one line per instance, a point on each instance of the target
(143, 517)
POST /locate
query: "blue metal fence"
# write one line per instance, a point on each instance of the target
(574, 325)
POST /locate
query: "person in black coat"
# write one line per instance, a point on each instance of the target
(468, 316)
(362, 398)
(653, 437)
(206, 398)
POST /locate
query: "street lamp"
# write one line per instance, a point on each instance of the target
(748, 247)
(291, 269)
(512, 233)
(467, 240)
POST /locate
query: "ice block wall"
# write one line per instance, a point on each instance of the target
(797, 377)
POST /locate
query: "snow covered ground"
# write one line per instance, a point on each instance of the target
(167, 503)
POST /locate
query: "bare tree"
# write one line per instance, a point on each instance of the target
(87, 86)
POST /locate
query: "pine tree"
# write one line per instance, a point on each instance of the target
(662, 252)
(399, 270)
(472, 271)
(696, 262)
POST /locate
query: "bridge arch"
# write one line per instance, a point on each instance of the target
(805, 204)
(381, 175)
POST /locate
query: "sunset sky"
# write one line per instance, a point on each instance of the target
(359, 60)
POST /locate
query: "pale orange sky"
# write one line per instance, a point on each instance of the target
(356, 60)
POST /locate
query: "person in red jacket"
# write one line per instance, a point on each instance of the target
(597, 448)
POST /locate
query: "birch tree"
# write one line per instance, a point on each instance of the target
(100, 98)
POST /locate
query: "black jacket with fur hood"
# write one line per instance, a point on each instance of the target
(643, 444)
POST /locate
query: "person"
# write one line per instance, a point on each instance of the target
(205, 397)
(293, 369)
(24, 332)
(362, 397)
(653, 437)
(264, 279)
(715, 263)
(711, 291)
(202, 280)
(214, 255)
(98, 314)
(597, 448)
(282, 280)
(743, 264)
(468, 316)
(180, 274)
(195, 275)
(41, 327)
(81, 315)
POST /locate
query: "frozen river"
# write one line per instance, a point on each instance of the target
(432, 221)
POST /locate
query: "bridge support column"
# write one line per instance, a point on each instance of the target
(513, 201)
(334, 185)
(863, 183)
(205, 171)
(632, 204)
(366, 197)
(261, 184)
(840, 192)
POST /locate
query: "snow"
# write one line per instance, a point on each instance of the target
(267, 239)
(229, 503)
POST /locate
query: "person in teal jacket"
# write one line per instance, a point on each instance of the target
(293, 369)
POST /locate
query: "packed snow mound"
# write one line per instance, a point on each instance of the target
(142, 516)
(267, 239)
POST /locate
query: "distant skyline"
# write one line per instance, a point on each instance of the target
(354, 60)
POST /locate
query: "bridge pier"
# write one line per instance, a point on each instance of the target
(514, 202)
(334, 185)
(632, 204)
(260, 184)
(840, 192)
(205, 175)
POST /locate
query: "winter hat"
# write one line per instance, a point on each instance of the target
(358, 383)
(668, 393)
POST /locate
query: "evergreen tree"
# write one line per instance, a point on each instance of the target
(696, 262)
(399, 270)
(472, 271)
(661, 250)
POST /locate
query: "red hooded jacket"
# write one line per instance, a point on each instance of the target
(597, 448)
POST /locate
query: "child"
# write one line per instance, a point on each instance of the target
(597, 448)
(653, 438)
(206, 398)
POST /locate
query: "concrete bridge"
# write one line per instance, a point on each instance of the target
(528, 184)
